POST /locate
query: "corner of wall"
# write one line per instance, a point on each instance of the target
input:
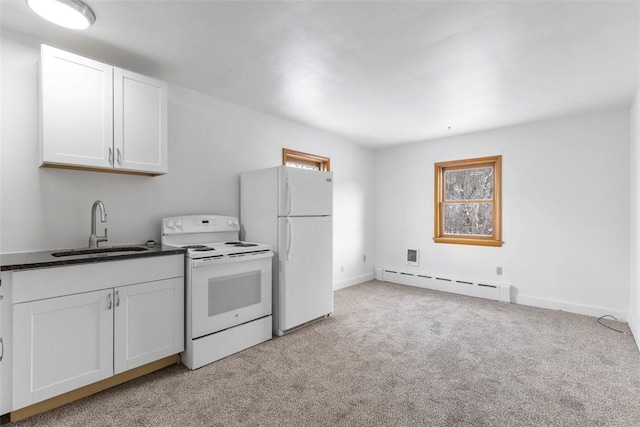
(352, 281)
(633, 317)
(634, 325)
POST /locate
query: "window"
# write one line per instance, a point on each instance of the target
(468, 202)
(297, 159)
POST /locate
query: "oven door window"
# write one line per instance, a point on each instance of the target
(226, 294)
(233, 292)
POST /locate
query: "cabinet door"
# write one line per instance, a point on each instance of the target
(149, 322)
(76, 109)
(61, 344)
(140, 123)
(5, 362)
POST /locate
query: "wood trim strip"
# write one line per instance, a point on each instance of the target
(90, 169)
(466, 240)
(72, 396)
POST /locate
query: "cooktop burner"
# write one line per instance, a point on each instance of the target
(199, 248)
(208, 236)
(241, 244)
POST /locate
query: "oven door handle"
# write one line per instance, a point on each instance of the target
(203, 262)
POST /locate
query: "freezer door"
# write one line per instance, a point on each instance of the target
(304, 192)
(305, 276)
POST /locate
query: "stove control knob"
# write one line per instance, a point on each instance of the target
(235, 222)
(170, 224)
(178, 223)
(230, 222)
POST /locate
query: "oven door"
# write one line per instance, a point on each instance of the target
(229, 291)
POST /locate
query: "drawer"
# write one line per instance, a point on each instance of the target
(43, 283)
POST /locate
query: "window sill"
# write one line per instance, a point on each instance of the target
(476, 241)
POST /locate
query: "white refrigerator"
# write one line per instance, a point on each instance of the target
(291, 209)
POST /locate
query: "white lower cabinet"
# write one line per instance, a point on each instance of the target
(62, 343)
(148, 323)
(5, 347)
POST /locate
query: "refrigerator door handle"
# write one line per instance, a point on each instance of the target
(289, 234)
(289, 202)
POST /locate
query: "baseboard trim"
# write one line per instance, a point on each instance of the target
(462, 286)
(353, 281)
(634, 325)
(587, 310)
(90, 389)
(502, 292)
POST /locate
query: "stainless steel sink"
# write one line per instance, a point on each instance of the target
(98, 251)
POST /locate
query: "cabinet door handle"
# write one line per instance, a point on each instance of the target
(119, 157)
(110, 304)
(2, 345)
(111, 156)
(117, 299)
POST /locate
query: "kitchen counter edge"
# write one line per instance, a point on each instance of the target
(43, 259)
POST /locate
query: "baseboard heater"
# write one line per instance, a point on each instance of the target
(481, 289)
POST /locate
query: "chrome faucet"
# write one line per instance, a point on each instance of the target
(95, 239)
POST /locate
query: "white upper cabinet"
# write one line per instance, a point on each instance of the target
(140, 122)
(97, 116)
(76, 110)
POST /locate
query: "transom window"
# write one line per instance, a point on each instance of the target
(468, 201)
(298, 159)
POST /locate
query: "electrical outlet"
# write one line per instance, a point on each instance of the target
(499, 271)
(342, 269)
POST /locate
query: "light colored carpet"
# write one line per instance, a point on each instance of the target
(394, 355)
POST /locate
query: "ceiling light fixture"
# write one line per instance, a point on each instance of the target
(72, 14)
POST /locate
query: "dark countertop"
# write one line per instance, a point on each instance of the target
(42, 259)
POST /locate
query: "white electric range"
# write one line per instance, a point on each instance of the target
(228, 286)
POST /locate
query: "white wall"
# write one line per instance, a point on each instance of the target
(634, 196)
(210, 143)
(565, 211)
(634, 260)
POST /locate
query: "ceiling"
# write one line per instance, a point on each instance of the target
(375, 72)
